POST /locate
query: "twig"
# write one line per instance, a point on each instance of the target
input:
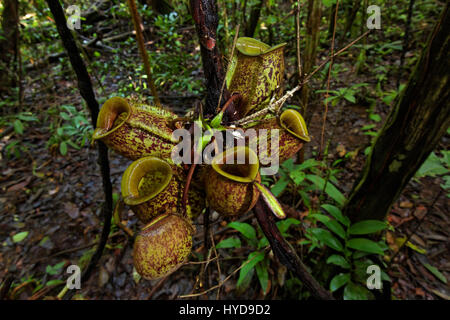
(7, 282)
(202, 262)
(297, 24)
(206, 247)
(274, 106)
(142, 50)
(328, 81)
(220, 284)
(87, 92)
(217, 261)
(116, 216)
(157, 287)
(286, 253)
(231, 57)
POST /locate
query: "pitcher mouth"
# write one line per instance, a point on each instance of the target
(227, 164)
(144, 179)
(292, 121)
(253, 47)
(113, 114)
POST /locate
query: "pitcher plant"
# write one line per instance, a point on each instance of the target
(151, 187)
(256, 72)
(135, 130)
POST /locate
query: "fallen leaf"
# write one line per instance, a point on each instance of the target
(19, 186)
(420, 292)
(406, 204)
(72, 210)
(440, 294)
(420, 211)
(18, 237)
(341, 150)
(103, 277)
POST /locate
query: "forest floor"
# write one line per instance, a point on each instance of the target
(57, 200)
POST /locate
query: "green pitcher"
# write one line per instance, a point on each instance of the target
(256, 72)
(134, 129)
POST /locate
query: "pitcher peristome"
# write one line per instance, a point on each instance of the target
(134, 129)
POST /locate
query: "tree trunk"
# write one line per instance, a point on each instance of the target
(255, 13)
(87, 92)
(352, 11)
(206, 20)
(9, 45)
(312, 42)
(420, 117)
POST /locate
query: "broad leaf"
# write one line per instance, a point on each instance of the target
(232, 242)
(436, 272)
(339, 280)
(365, 245)
(247, 230)
(279, 187)
(253, 259)
(431, 167)
(326, 237)
(339, 261)
(284, 225)
(337, 214)
(356, 292)
(263, 275)
(367, 226)
(334, 226)
(330, 189)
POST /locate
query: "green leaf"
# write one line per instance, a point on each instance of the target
(339, 261)
(279, 187)
(263, 242)
(271, 201)
(217, 120)
(328, 3)
(375, 117)
(65, 116)
(18, 126)
(367, 226)
(63, 148)
(253, 259)
(284, 225)
(18, 237)
(56, 269)
(330, 189)
(334, 226)
(431, 167)
(339, 280)
(263, 275)
(368, 127)
(356, 292)
(349, 97)
(27, 117)
(54, 282)
(319, 217)
(435, 272)
(297, 176)
(232, 242)
(310, 163)
(247, 230)
(337, 214)
(326, 237)
(365, 245)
